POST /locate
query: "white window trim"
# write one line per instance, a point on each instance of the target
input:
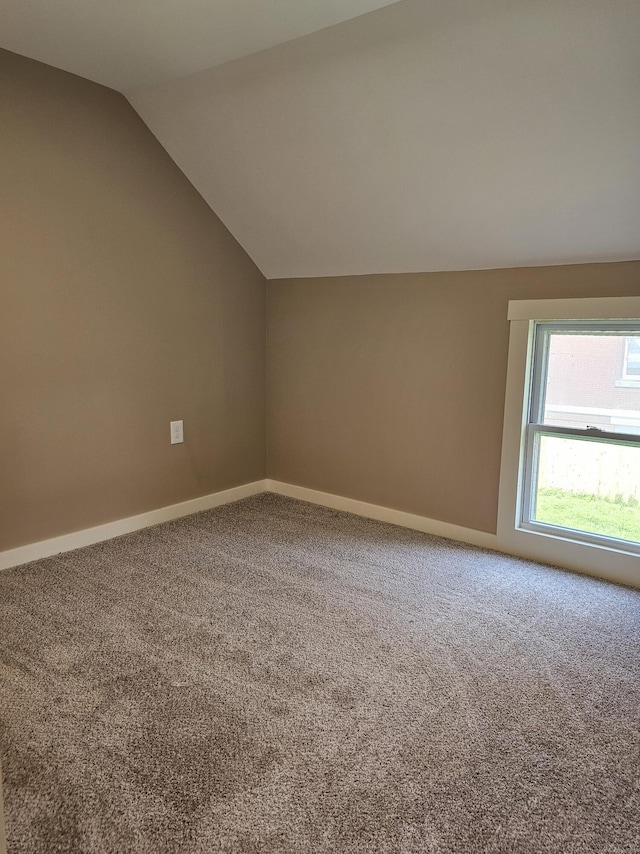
(615, 564)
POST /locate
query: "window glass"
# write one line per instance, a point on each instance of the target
(581, 468)
(588, 486)
(632, 359)
(582, 381)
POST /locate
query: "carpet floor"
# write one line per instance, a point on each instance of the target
(272, 676)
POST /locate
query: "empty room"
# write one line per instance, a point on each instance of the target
(320, 396)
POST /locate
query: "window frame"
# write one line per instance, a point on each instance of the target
(536, 427)
(607, 557)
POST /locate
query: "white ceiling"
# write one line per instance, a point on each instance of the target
(426, 135)
(442, 135)
(130, 43)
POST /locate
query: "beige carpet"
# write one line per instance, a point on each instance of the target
(277, 677)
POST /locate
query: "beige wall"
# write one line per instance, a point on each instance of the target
(124, 304)
(390, 389)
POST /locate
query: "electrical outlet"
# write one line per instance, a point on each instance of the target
(177, 432)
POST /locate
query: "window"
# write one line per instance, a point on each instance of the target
(581, 461)
(631, 369)
(570, 466)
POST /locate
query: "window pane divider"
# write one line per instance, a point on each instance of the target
(588, 435)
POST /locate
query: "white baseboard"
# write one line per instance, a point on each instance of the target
(89, 536)
(622, 568)
(385, 514)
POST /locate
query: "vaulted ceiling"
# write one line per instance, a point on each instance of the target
(425, 135)
(129, 43)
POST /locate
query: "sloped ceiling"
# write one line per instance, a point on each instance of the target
(442, 135)
(425, 135)
(129, 43)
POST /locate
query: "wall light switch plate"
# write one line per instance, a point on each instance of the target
(177, 432)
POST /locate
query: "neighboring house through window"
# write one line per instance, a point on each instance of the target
(631, 370)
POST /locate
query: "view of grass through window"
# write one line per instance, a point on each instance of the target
(590, 486)
(582, 512)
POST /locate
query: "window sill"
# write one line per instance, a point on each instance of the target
(627, 383)
(577, 538)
